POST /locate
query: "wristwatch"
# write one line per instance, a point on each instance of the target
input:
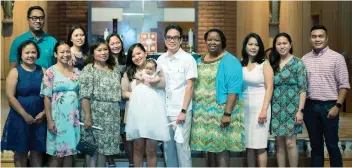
(183, 111)
(338, 105)
(227, 114)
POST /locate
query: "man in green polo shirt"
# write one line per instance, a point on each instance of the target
(46, 43)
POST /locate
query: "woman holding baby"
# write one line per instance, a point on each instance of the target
(143, 86)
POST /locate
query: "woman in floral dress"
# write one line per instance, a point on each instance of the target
(290, 87)
(60, 90)
(101, 93)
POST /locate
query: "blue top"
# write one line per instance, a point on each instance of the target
(46, 46)
(228, 78)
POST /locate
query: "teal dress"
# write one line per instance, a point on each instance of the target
(65, 109)
(289, 83)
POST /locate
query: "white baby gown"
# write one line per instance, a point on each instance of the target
(146, 116)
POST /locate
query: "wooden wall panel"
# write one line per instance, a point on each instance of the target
(294, 21)
(110, 4)
(331, 19)
(175, 4)
(10, 31)
(252, 17)
(306, 26)
(346, 43)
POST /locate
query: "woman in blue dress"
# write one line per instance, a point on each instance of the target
(25, 127)
(60, 90)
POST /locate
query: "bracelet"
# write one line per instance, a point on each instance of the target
(183, 111)
(227, 114)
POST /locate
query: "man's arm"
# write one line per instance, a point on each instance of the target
(188, 94)
(342, 77)
(13, 64)
(342, 95)
(13, 56)
(187, 100)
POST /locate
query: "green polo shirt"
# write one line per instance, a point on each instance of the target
(46, 46)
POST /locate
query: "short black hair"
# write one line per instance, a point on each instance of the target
(174, 26)
(85, 46)
(317, 27)
(59, 43)
(24, 44)
(30, 9)
(221, 34)
(260, 57)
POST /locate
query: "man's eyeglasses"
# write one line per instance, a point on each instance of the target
(35, 18)
(175, 38)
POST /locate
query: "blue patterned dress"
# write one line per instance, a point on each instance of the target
(289, 83)
(18, 135)
(65, 109)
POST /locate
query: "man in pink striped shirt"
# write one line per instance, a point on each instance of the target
(327, 88)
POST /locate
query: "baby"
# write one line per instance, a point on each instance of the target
(149, 74)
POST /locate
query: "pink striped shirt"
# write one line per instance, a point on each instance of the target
(327, 74)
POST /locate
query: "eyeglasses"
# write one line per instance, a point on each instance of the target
(175, 38)
(35, 18)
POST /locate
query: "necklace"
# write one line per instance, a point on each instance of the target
(208, 58)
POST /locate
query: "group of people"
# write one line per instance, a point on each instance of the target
(60, 92)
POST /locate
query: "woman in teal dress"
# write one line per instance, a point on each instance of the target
(60, 90)
(218, 116)
(290, 87)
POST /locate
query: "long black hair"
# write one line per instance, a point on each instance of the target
(274, 57)
(131, 68)
(24, 44)
(111, 60)
(85, 46)
(121, 57)
(260, 57)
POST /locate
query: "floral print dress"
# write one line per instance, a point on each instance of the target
(65, 109)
